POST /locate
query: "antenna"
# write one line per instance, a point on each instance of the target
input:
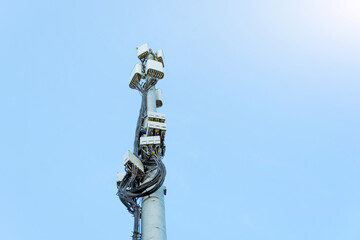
(144, 170)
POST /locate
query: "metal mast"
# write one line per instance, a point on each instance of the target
(144, 170)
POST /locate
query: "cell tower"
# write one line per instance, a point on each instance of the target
(144, 170)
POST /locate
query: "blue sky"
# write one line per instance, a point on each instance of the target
(262, 100)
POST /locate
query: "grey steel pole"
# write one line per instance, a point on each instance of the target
(153, 225)
(144, 170)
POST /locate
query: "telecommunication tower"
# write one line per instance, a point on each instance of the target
(144, 170)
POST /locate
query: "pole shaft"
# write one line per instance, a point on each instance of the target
(153, 207)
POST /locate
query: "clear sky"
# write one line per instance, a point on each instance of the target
(262, 100)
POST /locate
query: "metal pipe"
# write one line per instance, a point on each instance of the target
(151, 100)
(153, 225)
(136, 234)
